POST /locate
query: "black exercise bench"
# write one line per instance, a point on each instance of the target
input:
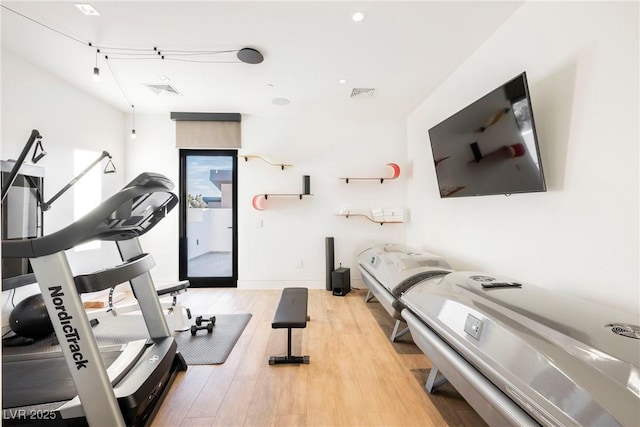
(291, 313)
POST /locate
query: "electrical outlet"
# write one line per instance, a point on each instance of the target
(300, 264)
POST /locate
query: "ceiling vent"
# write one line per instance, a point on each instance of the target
(359, 92)
(163, 89)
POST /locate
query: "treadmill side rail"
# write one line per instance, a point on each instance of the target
(127, 359)
(145, 292)
(77, 342)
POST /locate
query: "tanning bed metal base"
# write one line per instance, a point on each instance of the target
(524, 355)
(389, 270)
(490, 403)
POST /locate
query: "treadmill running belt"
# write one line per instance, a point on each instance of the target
(28, 382)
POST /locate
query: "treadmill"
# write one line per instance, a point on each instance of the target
(83, 384)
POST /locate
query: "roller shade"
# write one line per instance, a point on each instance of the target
(207, 130)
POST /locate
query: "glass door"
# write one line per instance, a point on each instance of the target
(208, 218)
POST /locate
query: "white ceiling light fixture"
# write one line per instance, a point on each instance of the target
(280, 101)
(358, 16)
(87, 9)
(343, 81)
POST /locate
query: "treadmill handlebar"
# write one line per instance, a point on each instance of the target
(18, 281)
(129, 213)
(150, 178)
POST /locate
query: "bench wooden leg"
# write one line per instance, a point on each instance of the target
(277, 360)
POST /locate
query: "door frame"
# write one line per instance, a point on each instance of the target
(201, 282)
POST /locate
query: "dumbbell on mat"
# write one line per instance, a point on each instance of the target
(195, 328)
(200, 320)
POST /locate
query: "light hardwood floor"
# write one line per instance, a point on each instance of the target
(355, 377)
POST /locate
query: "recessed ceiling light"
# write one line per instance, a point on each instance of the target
(280, 101)
(87, 9)
(343, 81)
(357, 17)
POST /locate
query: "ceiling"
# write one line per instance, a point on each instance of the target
(403, 50)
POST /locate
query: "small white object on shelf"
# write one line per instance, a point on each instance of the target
(393, 215)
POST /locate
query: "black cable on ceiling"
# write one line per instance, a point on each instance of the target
(152, 51)
(246, 55)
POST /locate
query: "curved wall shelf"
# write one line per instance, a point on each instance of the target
(395, 174)
(258, 201)
(264, 159)
(379, 216)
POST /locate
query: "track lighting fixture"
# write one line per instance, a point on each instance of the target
(96, 70)
(133, 122)
(245, 55)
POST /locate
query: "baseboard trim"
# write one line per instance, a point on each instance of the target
(281, 284)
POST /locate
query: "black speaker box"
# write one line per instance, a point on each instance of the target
(477, 155)
(306, 184)
(341, 281)
(330, 263)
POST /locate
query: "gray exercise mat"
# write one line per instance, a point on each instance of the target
(213, 348)
(202, 349)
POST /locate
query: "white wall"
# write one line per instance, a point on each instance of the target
(285, 244)
(154, 150)
(68, 119)
(581, 236)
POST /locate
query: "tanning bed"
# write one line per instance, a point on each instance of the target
(526, 355)
(389, 270)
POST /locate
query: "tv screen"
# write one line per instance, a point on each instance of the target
(489, 147)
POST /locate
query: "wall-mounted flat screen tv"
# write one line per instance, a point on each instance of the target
(489, 147)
